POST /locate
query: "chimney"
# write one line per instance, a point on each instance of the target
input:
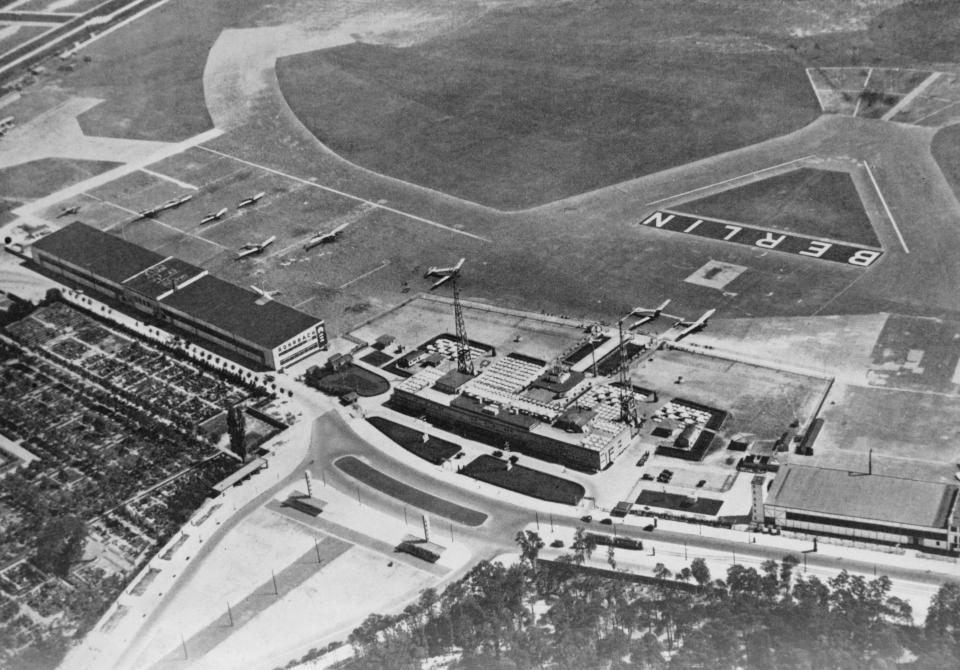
(426, 528)
(309, 480)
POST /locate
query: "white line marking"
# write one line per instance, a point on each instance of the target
(347, 195)
(122, 224)
(304, 302)
(816, 91)
(934, 113)
(727, 181)
(170, 179)
(886, 208)
(366, 274)
(910, 97)
(864, 88)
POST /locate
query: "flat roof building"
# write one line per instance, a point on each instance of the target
(880, 508)
(493, 407)
(182, 295)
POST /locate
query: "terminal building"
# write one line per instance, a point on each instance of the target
(181, 295)
(518, 403)
(865, 507)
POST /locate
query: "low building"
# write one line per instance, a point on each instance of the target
(866, 507)
(172, 291)
(492, 407)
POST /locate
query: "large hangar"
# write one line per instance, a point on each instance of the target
(260, 330)
(866, 507)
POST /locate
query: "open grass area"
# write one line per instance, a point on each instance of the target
(48, 175)
(946, 151)
(523, 480)
(525, 106)
(353, 378)
(805, 201)
(433, 449)
(397, 489)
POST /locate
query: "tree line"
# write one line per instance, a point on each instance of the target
(555, 614)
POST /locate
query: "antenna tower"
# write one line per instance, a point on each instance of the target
(628, 402)
(464, 363)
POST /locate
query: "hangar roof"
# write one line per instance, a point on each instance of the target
(98, 252)
(239, 311)
(865, 496)
(162, 277)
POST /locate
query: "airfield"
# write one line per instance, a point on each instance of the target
(229, 124)
(800, 177)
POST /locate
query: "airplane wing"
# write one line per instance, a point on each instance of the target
(248, 252)
(441, 281)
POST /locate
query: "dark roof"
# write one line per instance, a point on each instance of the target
(158, 279)
(97, 252)
(453, 379)
(235, 310)
(862, 496)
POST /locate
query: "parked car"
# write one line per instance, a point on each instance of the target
(607, 522)
(586, 519)
(557, 544)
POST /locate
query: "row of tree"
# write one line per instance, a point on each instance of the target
(537, 614)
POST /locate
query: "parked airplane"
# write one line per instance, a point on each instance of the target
(323, 238)
(213, 216)
(175, 202)
(246, 202)
(646, 315)
(690, 327)
(67, 211)
(252, 248)
(445, 274)
(265, 293)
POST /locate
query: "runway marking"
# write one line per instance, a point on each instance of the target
(304, 302)
(911, 96)
(816, 91)
(727, 181)
(934, 113)
(886, 208)
(866, 81)
(366, 274)
(170, 179)
(348, 195)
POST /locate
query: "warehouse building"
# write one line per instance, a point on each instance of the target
(866, 507)
(174, 292)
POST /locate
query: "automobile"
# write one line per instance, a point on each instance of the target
(459, 454)
(649, 528)
(498, 454)
(514, 458)
(586, 519)
(557, 544)
(606, 522)
(647, 476)
(701, 483)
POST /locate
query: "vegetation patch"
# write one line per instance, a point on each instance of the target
(405, 493)
(523, 480)
(807, 201)
(432, 449)
(351, 378)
